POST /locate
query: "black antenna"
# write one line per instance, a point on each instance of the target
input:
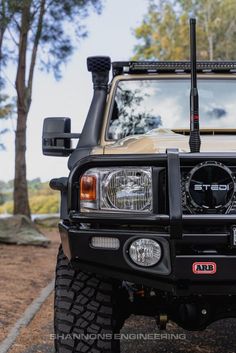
(194, 140)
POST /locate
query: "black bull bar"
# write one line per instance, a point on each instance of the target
(172, 161)
(177, 276)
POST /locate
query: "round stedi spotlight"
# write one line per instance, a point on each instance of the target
(211, 186)
(145, 252)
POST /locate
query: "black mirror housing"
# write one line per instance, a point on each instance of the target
(56, 139)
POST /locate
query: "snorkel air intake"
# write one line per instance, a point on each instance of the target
(99, 66)
(194, 140)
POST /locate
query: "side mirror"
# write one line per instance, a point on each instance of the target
(56, 140)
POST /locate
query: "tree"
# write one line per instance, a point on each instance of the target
(39, 32)
(164, 31)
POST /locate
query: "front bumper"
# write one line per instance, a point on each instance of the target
(174, 273)
(185, 238)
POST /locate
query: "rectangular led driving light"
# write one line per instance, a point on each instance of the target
(105, 243)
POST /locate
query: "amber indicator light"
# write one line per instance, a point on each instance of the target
(88, 186)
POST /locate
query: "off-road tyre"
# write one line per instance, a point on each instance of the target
(86, 305)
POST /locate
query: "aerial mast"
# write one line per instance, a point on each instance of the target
(194, 140)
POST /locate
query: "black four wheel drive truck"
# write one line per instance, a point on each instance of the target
(148, 211)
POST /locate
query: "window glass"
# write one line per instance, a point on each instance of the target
(143, 105)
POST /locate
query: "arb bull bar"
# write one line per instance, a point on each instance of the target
(175, 230)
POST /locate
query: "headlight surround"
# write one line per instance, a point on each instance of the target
(120, 189)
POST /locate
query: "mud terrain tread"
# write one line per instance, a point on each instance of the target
(84, 304)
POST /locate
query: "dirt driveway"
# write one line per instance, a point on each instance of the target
(25, 271)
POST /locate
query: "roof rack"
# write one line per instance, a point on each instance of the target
(143, 67)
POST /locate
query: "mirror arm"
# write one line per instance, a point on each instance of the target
(62, 135)
(59, 184)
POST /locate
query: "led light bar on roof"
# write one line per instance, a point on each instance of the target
(136, 67)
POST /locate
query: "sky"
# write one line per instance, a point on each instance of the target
(108, 34)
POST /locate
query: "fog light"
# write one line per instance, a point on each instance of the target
(105, 243)
(145, 252)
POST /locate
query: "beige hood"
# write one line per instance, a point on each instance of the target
(160, 139)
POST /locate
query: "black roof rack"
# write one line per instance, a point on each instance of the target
(141, 67)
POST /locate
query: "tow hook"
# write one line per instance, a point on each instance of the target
(161, 321)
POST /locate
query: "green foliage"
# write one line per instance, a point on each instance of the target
(4, 197)
(44, 204)
(52, 26)
(6, 107)
(42, 199)
(164, 32)
(7, 207)
(6, 111)
(7, 10)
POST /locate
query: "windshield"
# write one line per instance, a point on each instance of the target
(143, 105)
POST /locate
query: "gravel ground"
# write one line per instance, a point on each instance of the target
(25, 271)
(36, 337)
(218, 338)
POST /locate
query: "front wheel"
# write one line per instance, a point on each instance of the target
(86, 317)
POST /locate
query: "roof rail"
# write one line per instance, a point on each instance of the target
(144, 67)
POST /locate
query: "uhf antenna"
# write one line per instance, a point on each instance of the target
(194, 140)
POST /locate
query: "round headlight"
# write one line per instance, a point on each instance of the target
(129, 189)
(145, 252)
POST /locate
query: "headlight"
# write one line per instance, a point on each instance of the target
(116, 189)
